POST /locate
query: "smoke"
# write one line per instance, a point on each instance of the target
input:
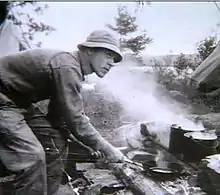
(137, 91)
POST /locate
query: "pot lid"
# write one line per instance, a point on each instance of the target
(201, 135)
(188, 127)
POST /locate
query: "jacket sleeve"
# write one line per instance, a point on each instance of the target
(67, 78)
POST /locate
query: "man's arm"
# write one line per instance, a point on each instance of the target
(67, 80)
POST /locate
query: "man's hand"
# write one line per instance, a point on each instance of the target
(98, 155)
(94, 154)
(72, 138)
(114, 155)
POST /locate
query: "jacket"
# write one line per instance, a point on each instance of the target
(39, 74)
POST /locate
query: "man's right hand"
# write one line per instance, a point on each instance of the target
(95, 154)
(114, 155)
(73, 139)
(98, 155)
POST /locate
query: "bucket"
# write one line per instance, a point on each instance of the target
(199, 145)
(177, 139)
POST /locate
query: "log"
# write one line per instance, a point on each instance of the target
(137, 182)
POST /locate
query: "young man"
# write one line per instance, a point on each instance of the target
(34, 75)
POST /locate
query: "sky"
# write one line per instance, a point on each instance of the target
(174, 27)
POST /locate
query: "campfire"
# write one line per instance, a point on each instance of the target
(166, 158)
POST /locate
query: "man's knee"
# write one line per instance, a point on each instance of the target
(33, 158)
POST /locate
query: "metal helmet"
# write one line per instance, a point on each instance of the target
(103, 39)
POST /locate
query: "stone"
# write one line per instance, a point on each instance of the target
(138, 155)
(209, 174)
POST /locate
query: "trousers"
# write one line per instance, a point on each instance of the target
(31, 149)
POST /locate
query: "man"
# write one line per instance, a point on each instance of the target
(34, 75)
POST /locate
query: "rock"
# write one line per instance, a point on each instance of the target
(130, 135)
(214, 162)
(158, 131)
(138, 155)
(209, 174)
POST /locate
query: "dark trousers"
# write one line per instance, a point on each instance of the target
(31, 148)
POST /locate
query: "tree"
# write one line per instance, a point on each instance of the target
(28, 25)
(126, 25)
(162, 71)
(206, 47)
(184, 64)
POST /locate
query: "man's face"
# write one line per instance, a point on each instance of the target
(102, 60)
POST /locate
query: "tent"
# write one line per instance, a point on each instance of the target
(207, 76)
(11, 37)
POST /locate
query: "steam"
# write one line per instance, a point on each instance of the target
(138, 93)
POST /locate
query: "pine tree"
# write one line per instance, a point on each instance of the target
(125, 24)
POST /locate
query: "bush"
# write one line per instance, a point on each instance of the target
(174, 75)
(104, 111)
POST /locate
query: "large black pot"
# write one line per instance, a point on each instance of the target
(198, 145)
(177, 138)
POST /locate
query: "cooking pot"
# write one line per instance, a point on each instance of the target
(177, 139)
(198, 145)
(148, 164)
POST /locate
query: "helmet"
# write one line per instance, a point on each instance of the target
(103, 39)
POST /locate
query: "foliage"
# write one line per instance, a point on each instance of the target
(138, 43)
(162, 71)
(185, 65)
(125, 24)
(206, 47)
(176, 79)
(103, 109)
(104, 112)
(27, 23)
(173, 72)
